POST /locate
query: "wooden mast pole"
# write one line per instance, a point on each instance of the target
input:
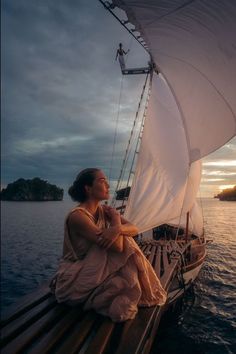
(186, 232)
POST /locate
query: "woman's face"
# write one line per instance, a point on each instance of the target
(100, 187)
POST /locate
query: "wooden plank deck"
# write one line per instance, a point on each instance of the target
(40, 325)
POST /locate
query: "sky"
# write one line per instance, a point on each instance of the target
(62, 92)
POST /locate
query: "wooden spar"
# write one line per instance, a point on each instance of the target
(187, 223)
(136, 71)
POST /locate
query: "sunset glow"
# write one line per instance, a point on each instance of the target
(219, 170)
(226, 186)
(218, 173)
(221, 163)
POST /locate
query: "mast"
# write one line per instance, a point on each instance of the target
(187, 226)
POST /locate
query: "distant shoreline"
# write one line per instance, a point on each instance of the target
(31, 190)
(228, 195)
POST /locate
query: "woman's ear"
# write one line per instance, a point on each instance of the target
(87, 189)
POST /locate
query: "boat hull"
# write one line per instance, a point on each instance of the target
(189, 274)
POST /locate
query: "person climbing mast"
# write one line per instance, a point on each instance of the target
(120, 54)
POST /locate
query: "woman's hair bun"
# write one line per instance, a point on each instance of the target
(84, 178)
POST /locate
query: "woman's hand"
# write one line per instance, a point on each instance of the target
(112, 214)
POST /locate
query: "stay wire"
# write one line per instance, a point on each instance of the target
(203, 216)
(182, 208)
(132, 134)
(116, 129)
(138, 142)
(117, 119)
(125, 160)
(129, 48)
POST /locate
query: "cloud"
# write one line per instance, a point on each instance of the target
(219, 170)
(221, 163)
(218, 173)
(63, 93)
(226, 186)
(61, 89)
(212, 179)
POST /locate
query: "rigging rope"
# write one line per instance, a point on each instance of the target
(117, 118)
(133, 128)
(182, 208)
(129, 48)
(140, 132)
(116, 128)
(127, 151)
(203, 216)
(181, 212)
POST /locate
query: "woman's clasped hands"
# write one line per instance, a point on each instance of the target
(112, 214)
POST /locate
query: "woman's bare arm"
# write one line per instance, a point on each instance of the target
(113, 215)
(115, 221)
(117, 241)
(127, 228)
(81, 224)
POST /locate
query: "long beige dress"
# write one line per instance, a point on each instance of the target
(113, 284)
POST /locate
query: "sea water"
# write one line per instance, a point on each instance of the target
(204, 322)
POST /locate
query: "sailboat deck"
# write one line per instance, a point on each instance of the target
(40, 325)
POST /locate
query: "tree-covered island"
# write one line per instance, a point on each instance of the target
(34, 189)
(227, 194)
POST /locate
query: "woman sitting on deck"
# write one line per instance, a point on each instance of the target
(102, 265)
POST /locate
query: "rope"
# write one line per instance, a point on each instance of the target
(116, 128)
(140, 133)
(127, 151)
(203, 216)
(129, 48)
(181, 212)
(117, 118)
(176, 236)
(133, 131)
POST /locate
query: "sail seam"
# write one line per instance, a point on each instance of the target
(181, 113)
(170, 12)
(207, 79)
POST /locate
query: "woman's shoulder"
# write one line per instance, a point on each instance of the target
(76, 214)
(81, 215)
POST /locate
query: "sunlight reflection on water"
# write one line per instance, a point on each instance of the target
(206, 322)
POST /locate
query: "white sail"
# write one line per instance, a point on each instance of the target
(193, 45)
(165, 183)
(190, 203)
(195, 220)
(192, 110)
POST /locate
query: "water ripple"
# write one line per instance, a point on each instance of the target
(205, 320)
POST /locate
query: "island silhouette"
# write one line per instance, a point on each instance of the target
(34, 189)
(227, 194)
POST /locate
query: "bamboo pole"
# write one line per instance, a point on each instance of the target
(187, 225)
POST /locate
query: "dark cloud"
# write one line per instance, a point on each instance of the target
(61, 88)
